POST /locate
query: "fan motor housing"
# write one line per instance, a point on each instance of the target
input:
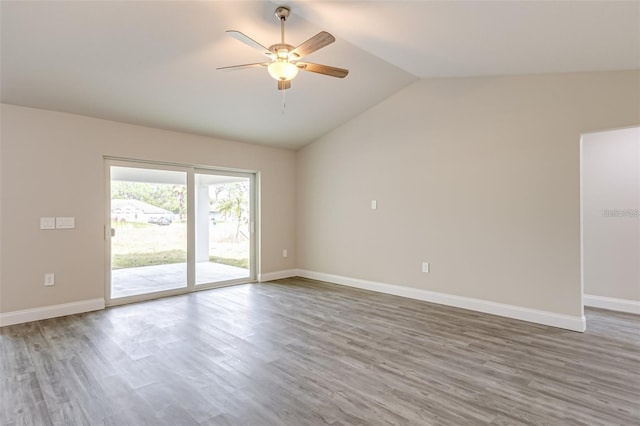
(281, 50)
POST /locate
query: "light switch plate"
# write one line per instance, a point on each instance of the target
(374, 204)
(65, 222)
(47, 223)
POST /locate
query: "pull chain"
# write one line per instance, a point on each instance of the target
(284, 101)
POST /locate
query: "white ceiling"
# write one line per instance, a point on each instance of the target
(153, 63)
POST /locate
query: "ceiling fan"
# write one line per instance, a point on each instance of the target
(285, 58)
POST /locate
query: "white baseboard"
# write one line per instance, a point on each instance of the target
(278, 275)
(574, 323)
(620, 305)
(37, 314)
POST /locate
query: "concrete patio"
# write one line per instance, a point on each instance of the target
(149, 279)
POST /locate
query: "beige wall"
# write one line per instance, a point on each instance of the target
(52, 165)
(478, 176)
(611, 240)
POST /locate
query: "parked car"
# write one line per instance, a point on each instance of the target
(162, 221)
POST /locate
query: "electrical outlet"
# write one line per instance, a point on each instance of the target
(49, 279)
(284, 253)
(425, 267)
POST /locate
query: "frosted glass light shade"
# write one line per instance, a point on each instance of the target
(282, 70)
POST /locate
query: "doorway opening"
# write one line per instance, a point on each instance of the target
(610, 219)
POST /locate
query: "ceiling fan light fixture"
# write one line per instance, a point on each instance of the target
(282, 70)
(285, 66)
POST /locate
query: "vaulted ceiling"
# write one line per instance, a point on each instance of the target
(154, 63)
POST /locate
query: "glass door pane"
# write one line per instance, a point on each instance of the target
(149, 231)
(223, 227)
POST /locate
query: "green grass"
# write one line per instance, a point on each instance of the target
(134, 260)
(240, 263)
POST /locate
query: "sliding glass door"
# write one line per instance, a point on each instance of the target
(148, 231)
(223, 227)
(174, 229)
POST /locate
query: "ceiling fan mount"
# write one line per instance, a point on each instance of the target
(282, 13)
(285, 58)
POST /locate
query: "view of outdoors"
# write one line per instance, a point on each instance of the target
(229, 224)
(222, 228)
(149, 219)
(150, 224)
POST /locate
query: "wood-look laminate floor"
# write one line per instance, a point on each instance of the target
(300, 352)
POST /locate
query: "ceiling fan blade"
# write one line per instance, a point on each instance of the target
(249, 42)
(236, 67)
(284, 85)
(316, 42)
(323, 69)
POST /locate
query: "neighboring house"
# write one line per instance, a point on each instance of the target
(136, 211)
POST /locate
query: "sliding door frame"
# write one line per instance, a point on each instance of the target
(190, 171)
(252, 176)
